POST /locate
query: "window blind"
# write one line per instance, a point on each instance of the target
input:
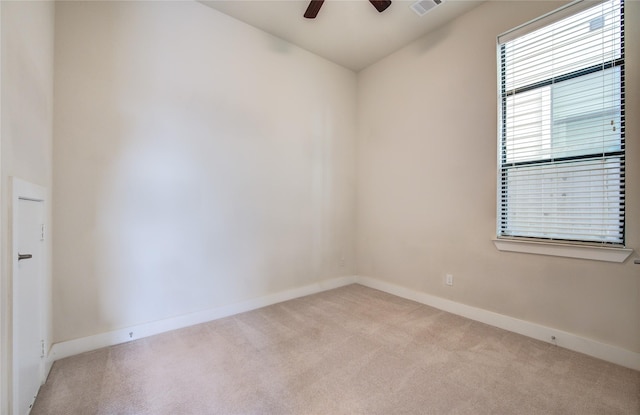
(561, 139)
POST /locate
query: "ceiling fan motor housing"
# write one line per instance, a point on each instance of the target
(315, 5)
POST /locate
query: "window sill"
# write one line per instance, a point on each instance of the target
(595, 253)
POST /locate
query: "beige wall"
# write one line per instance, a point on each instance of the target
(197, 162)
(427, 185)
(26, 130)
(200, 162)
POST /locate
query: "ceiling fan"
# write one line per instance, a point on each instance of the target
(314, 7)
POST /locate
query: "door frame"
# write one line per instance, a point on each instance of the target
(24, 190)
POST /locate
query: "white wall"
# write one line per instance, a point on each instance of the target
(198, 162)
(427, 185)
(26, 111)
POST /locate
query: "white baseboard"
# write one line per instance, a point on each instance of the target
(86, 344)
(564, 339)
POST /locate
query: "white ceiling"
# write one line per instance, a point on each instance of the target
(348, 32)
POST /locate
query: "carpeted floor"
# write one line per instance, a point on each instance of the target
(352, 350)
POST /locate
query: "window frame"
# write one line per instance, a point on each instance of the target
(522, 243)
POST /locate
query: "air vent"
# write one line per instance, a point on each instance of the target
(423, 6)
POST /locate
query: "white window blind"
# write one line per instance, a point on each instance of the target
(561, 139)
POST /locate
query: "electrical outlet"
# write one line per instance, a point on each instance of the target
(448, 279)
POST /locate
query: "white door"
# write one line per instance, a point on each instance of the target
(28, 339)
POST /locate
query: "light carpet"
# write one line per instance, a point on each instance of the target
(352, 350)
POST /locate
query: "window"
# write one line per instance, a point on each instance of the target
(561, 138)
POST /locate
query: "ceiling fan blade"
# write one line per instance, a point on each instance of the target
(380, 5)
(313, 9)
